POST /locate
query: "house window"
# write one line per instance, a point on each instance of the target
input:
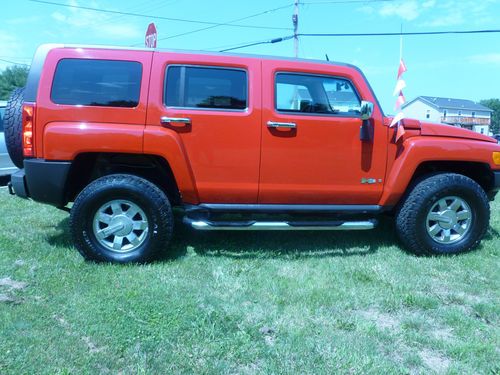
(444, 113)
(473, 114)
(428, 114)
(460, 113)
(482, 130)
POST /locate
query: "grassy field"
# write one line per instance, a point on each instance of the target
(244, 303)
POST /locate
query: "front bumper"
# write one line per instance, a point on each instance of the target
(41, 180)
(496, 180)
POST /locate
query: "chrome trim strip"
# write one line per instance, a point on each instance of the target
(182, 120)
(281, 225)
(274, 124)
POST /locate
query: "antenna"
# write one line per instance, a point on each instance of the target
(327, 58)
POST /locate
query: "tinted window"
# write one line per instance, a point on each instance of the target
(97, 83)
(315, 94)
(2, 113)
(195, 87)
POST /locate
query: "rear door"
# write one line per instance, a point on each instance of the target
(311, 147)
(212, 104)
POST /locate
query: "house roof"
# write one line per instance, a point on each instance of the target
(450, 103)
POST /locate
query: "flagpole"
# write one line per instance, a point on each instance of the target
(401, 43)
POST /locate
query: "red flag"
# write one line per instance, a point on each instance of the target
(402, 68)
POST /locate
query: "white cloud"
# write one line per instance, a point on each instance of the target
(408, 10)
(10, 45)
(95, 23)
(435, 13)
(486, 58)
(453, 13)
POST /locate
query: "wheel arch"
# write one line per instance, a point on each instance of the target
(87, 167)
(423, 156)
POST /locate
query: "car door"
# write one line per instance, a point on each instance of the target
(212, 104)
(311, 147)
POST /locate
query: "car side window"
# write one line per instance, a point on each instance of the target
(89, 82)
(302, 93)
(206, 88)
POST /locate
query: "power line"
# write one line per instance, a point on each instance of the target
(268, 41)
(229, 23)
(401, 33)
(132, 14)
(345, 2)
(13, 62)
(282, 39)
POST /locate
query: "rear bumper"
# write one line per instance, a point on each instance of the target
(43, 181)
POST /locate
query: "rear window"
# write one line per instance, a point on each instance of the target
(100, 83)
(206, 87)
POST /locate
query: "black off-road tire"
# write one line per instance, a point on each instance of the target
(412, 214)
(139, 191)
(13, 127)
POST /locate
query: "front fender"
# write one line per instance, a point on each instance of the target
(417, 150)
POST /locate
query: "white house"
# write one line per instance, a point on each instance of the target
(457, 112)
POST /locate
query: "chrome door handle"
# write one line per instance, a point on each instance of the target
(179, 120)
(289, 125)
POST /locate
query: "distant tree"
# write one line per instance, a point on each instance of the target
(11, 78)
(494, 105)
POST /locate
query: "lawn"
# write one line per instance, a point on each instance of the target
(244, 303)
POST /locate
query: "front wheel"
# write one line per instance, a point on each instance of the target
(443, 214)
(121, 219)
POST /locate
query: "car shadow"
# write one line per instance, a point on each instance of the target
(288, 244)
(262, 244)
(4, 180)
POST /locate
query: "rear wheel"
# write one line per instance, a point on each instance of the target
(13, 127)
(121, 219)
(443, 214)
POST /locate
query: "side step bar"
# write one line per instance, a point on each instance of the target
(280, 225)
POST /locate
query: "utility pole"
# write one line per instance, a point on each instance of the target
(295, 21)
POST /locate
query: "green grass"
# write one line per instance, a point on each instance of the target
(245, 303)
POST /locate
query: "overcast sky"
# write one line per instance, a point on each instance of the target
(457, 66)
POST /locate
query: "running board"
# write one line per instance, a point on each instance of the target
(280, 225)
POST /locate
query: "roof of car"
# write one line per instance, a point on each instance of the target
(211, 53)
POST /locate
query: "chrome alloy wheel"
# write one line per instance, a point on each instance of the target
(449, 220)
(120, 226)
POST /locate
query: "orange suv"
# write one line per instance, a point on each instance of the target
(238, 142)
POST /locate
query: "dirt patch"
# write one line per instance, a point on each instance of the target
(13, 284)
(269, 335)
(445, 334)
(4, 298)
(91, 346)
(435, 361)
(382, 320)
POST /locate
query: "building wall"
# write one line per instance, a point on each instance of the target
(477, 121)
(483, 129)
(420, 110)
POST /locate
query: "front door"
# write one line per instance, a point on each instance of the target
(311, 147)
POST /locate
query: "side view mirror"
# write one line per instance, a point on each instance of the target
(366, 110)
